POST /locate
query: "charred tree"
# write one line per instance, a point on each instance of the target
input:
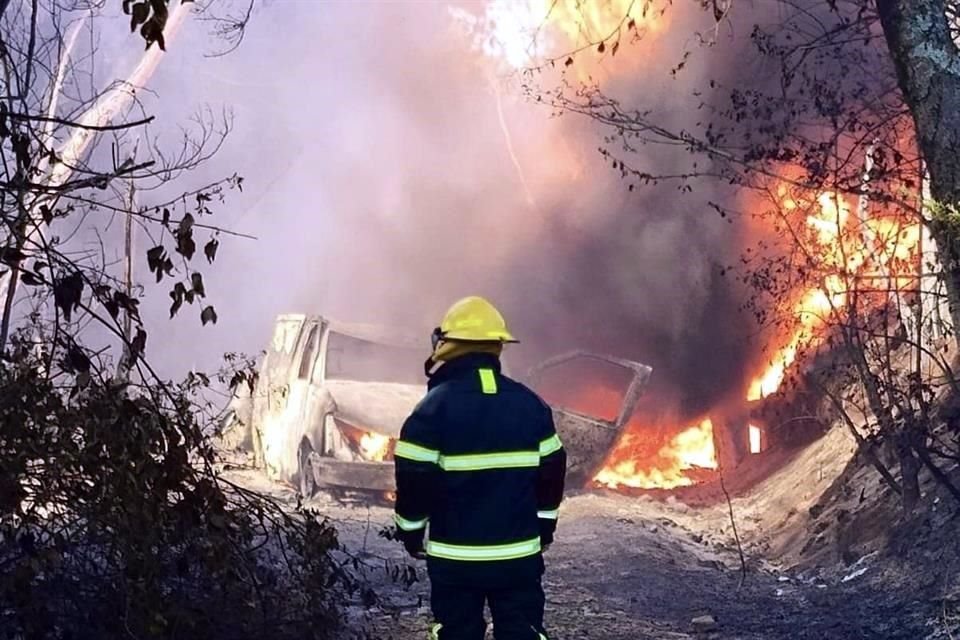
(927, 62)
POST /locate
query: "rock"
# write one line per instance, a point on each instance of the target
(703, 624)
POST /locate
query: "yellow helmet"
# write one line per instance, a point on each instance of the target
(472, 319)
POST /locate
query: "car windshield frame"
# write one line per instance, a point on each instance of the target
(351, 372)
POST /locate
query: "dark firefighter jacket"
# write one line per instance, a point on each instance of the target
(480, 462)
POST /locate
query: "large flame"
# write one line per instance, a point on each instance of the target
(875, 253)
(631, 466)
(525, 33)
(650, 454)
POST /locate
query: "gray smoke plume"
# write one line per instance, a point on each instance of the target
(380, 183)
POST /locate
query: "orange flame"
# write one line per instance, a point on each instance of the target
(523, 33)
(690, 449)
(374, 446)
(880, 248)
(588, 22)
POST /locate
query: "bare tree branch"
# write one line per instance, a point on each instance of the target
(120, 126)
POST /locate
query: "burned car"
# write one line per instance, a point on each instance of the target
(331, 398)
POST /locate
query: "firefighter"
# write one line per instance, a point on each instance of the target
(480, 463)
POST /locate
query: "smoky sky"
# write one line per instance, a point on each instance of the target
(375, 146)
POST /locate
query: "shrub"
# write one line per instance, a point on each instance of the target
(114, 524)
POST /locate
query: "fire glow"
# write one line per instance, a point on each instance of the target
(876, 254)
(668, 468)
(849, 249)
(374, 446)
(525, 33)
(756, 438)
(847, 245)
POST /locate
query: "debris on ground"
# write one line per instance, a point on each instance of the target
(704, 624)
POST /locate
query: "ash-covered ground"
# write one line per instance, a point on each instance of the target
(643, 567)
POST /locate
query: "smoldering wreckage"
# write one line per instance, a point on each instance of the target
(330, 399)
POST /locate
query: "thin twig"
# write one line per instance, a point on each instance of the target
(31, 49)
(97, 181)
(733, 521)
(29, 117)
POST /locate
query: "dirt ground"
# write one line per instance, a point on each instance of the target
(644, 567)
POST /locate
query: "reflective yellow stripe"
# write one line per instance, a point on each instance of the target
(550, 445)
(473, 462)
(415, 452)
(435, 632)
(409, 525)
(484, 553)
(549, 515)
(481, 461)
(488, 381)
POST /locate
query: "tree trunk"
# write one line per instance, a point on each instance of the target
(943, 478)
(909, 470)
(864, 446)
(928, 67)
(909, 474)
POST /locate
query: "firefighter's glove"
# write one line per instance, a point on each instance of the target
(547, 527)
(416, 551)
(413, 543)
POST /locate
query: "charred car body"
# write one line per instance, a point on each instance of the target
(331, 398)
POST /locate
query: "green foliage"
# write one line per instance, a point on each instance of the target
(113, 523)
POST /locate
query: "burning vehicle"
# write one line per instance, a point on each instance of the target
(331, 397)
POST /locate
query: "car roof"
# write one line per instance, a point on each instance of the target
(377, 334)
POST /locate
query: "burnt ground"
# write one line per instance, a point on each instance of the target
(642, 568)
(615, 573)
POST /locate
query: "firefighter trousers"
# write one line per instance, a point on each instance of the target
(517, 611)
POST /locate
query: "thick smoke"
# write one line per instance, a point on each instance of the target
(380, 184)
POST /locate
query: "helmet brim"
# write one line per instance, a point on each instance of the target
(503, 338)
